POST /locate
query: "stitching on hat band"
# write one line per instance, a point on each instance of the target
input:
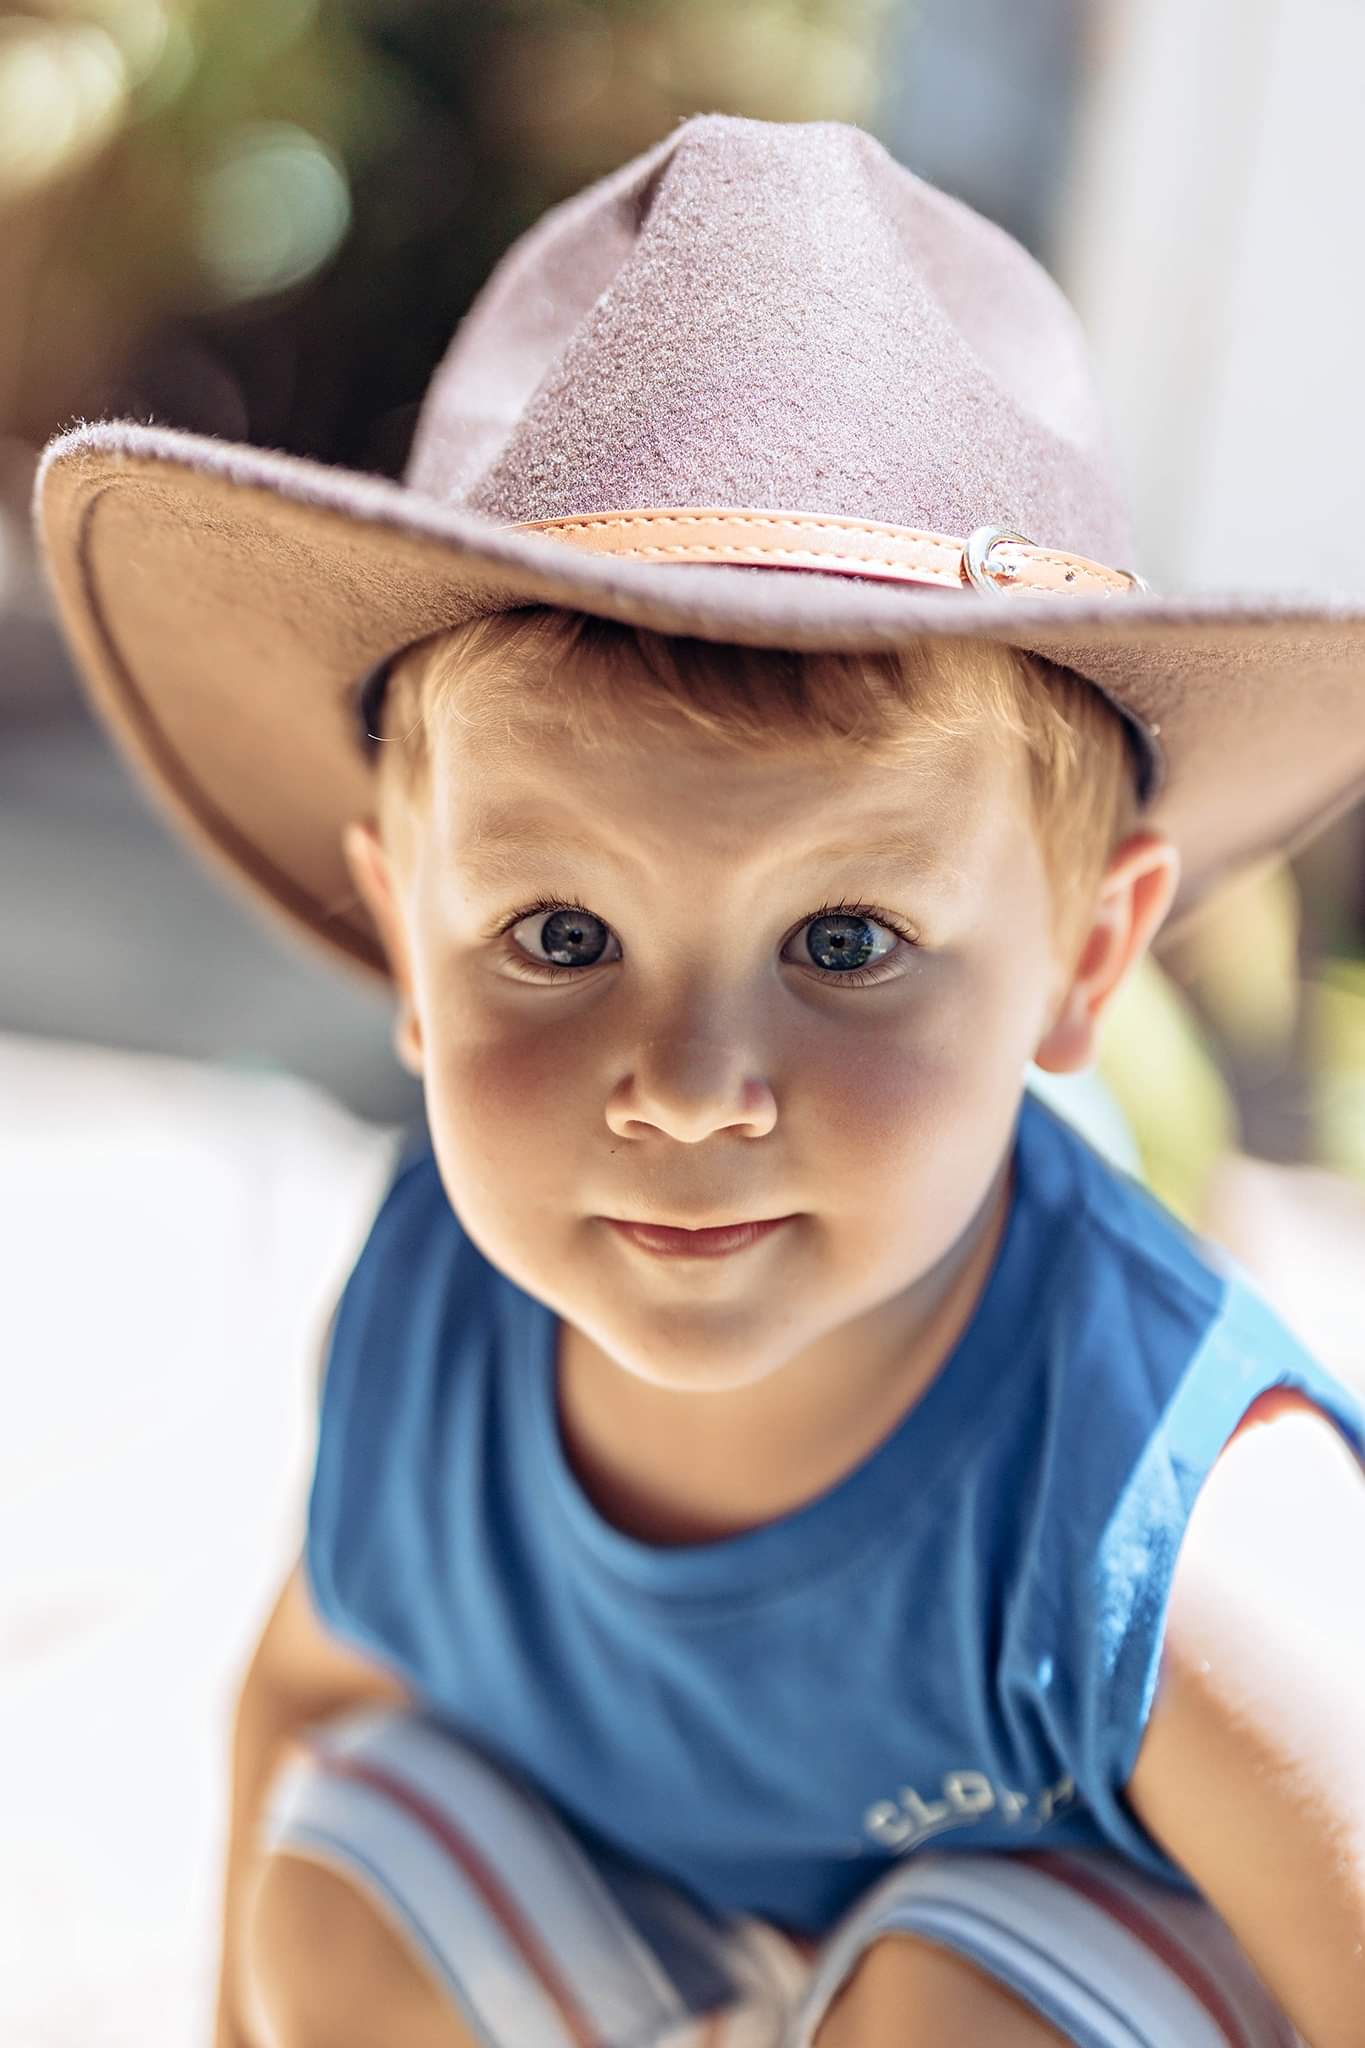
(859, 547)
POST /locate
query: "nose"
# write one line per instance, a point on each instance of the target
(689, 1089)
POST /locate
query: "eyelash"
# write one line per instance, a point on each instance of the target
(862, 977)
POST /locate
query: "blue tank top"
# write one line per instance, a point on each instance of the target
(957, 1644)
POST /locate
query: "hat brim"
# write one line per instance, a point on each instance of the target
(224, 601)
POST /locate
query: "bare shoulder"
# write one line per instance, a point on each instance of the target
(1288, 1483)
(300, 1656)
(1250, 1771)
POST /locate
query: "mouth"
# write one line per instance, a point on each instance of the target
(671, 1242)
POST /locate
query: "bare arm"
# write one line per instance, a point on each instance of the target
(298, 1673)
(1251, 1770)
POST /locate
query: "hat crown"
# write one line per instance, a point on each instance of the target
(766, 314)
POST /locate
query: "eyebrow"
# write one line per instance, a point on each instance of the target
(504, 848)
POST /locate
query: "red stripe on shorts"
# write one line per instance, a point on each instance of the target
(500, 1904)
(1119, 1906)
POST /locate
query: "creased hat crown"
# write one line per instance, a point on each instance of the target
(765, 314)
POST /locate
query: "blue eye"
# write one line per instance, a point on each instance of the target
(571, 936)
(841, 943)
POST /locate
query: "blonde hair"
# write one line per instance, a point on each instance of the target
(608, 676)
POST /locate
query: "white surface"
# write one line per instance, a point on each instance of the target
(172, 1241)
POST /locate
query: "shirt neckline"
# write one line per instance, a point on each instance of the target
(894, 1484)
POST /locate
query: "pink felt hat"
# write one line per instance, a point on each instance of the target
(761, 384)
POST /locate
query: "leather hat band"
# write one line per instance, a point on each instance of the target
(991, 558)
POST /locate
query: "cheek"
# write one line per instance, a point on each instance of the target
(530, 1070)
(893, 1112)
(924, 1103)
(504, 1099)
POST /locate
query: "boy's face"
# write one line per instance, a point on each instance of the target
(702, 1057)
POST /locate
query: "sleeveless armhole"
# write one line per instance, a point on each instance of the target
(1119, 1567)
(324, 1359)
(337, 1365)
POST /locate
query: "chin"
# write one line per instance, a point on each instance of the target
(709, 1377)
(692, 1354)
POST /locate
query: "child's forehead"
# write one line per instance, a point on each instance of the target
(735, 711)
(537, 785)
(531, 753)
(523, 729)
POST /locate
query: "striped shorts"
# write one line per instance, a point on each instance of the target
(542, 1941)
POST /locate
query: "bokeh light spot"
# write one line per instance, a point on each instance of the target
(270, 211)
(63, 86)
(139, 27)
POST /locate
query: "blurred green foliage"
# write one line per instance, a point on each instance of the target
(1163, 1068)
(264, 217)
(1336, 1000)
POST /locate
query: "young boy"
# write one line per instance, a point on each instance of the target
(819, 1555)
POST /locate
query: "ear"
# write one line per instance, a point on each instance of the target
(1139, 885)
(372, 872)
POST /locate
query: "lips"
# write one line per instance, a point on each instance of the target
(704, 1244)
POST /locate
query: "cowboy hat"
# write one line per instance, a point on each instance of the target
(761, 384)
